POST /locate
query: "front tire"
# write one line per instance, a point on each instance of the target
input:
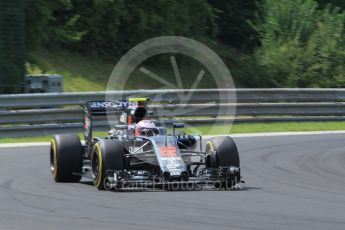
(66, 158)
(106, 155)
(221, 152)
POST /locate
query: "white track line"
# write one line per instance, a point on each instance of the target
(272, 134)
(9, 145)
(275, 134)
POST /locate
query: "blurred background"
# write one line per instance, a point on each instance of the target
(265, 43)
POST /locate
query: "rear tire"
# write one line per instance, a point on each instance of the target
(106, 155)
(66, 158)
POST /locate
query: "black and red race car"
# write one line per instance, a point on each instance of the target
(144, 157)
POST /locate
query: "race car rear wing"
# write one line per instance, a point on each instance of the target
(106, 108)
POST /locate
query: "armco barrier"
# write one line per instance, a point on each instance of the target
(37, 114)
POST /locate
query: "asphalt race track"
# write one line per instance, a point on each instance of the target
(292, 182)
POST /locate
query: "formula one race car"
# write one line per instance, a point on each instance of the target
(136, 153)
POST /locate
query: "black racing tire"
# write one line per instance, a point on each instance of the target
(106, 155)
(66, 158)
(222, 151)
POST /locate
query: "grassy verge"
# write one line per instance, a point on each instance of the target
(81, 73)
(236, 128)
(87, 73)
(39, 138)
(273, 127)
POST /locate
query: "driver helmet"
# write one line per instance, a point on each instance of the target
(145, 128)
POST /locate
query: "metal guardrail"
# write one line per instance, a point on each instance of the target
(37, 114)
(249, 109)
(171, 95)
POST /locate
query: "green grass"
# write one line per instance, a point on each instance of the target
(24, 139)
(236, 128)
(81, 73)
(272, 127)
(87, 73)
(40, 138)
